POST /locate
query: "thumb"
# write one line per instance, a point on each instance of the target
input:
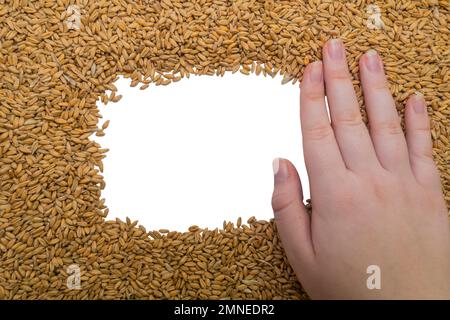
(291, 217)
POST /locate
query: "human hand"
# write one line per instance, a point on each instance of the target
(376, 196)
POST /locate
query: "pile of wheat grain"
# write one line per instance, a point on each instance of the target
(58, 58)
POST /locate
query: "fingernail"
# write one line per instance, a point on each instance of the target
(418, 102)
(336, 49)
(316, 73)
(373, 62)
(280, 170)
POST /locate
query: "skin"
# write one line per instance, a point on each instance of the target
(376, 194)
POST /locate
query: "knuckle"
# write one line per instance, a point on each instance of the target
(422, 153)
(374, 187)
(379, 185)
(345, 199)
(282, 201)
(339, 73)
(387, 188)
(311, 94)
(388, 127)
(351, 120)
(423, 129)
(343, 194)
(318, 132)
(380, 85)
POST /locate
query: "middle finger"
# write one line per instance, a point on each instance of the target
(351, 133)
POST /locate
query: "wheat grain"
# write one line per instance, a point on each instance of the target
(53, 73)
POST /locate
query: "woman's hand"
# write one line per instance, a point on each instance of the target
(376, 195)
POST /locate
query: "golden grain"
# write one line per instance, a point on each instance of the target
(51, 211)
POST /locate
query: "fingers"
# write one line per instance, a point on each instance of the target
(351, 133)
(420, 147)
(321, 151)
(385, 129)
(291, 218)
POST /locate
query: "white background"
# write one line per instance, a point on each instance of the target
(199, 151)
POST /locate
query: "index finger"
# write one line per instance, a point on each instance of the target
(320, 147)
